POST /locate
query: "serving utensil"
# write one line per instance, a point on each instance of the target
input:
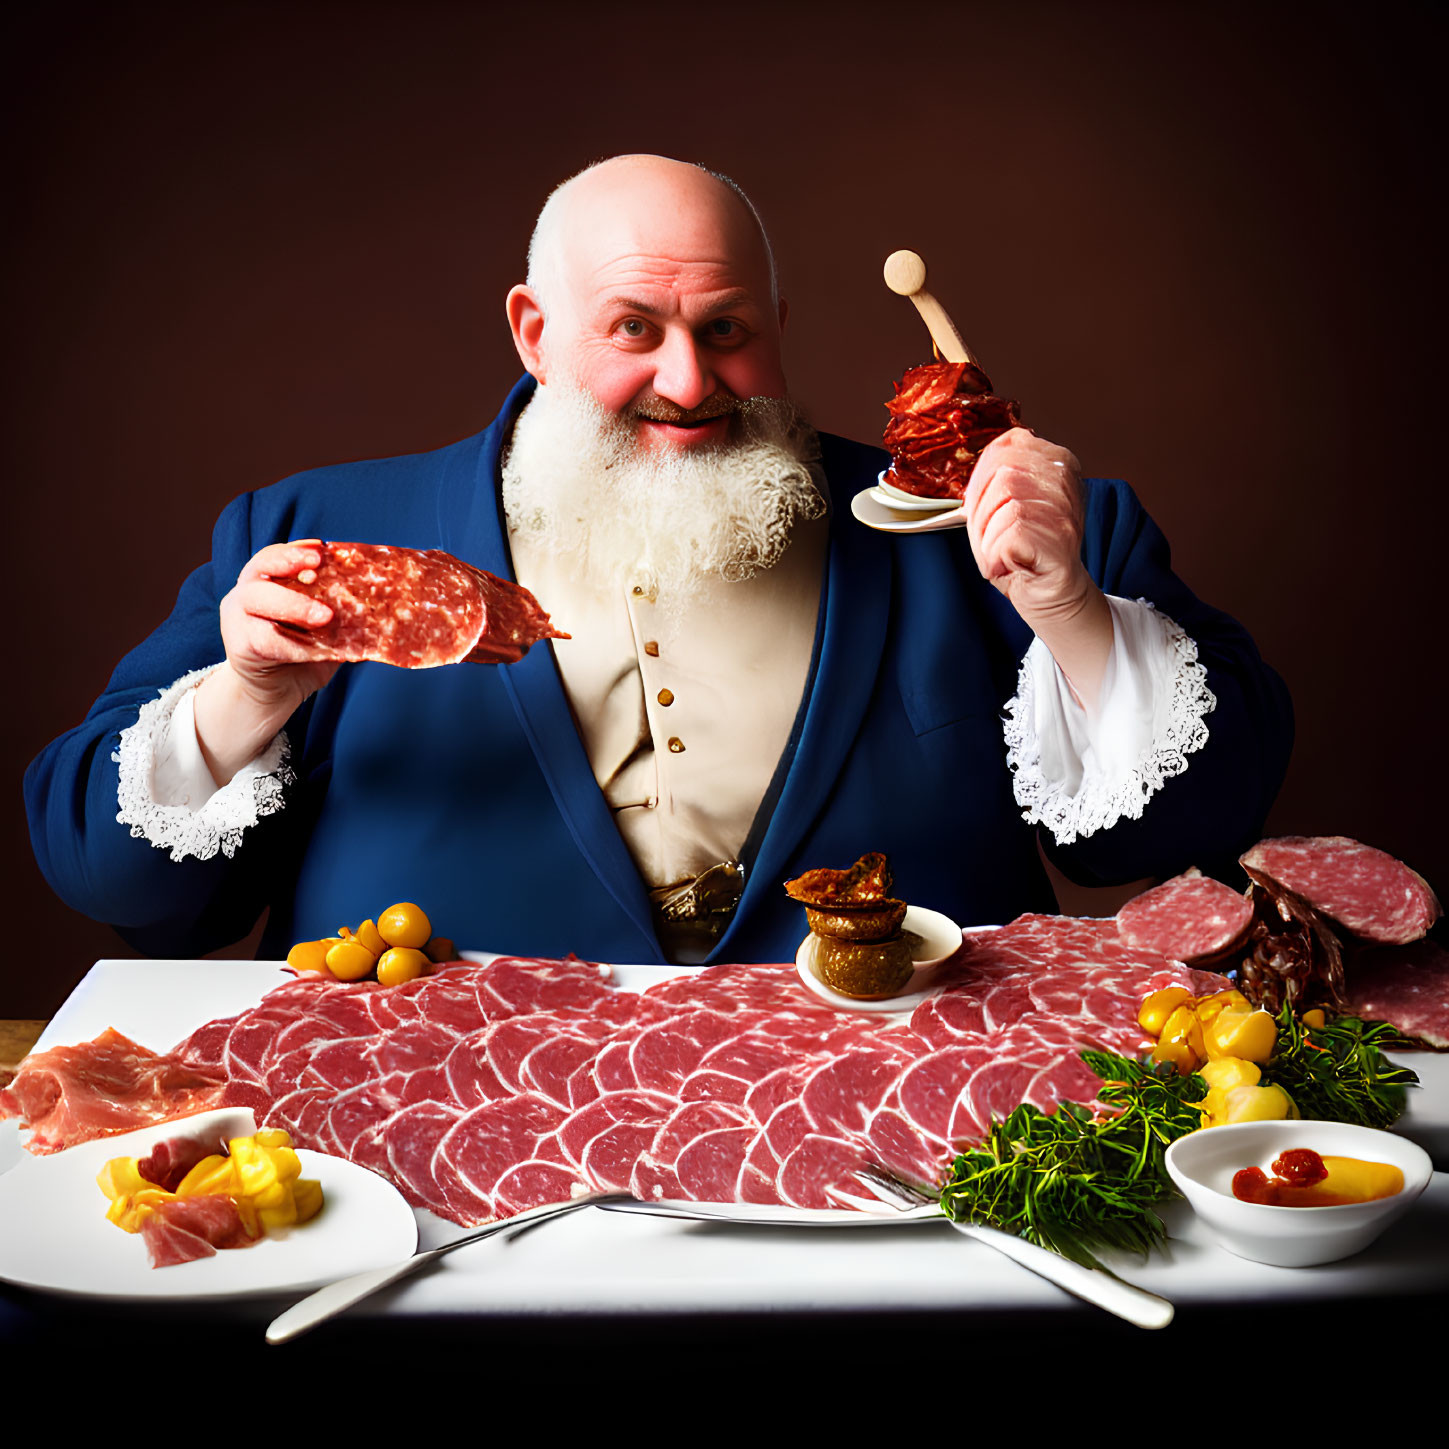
(337, 1297)
(905, 274)
(1095, 1285)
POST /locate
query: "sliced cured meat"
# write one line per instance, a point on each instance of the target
(418, 609)
(1189, 918)
(487, 1088)
(483, 1145)
(1364, 890)
(186, 1228)
(709, 1168)
(1407, 986)
(169, 1161)
(73, 1094)
(534, 1183)
(942, 417)
(816, 1166)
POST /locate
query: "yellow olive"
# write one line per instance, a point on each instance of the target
(311, 955)
(1157, 1007)
(1315, 1017)
(1251, 1035)
(399, 964)
(1225, 1072)
(1209, 1008)
(405, 925)
(1258, 1104)
(367, 935)
(348, 961)
(1181, 1040)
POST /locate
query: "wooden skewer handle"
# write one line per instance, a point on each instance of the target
(905, 274)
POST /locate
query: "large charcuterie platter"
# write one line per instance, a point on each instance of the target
(597, 1262)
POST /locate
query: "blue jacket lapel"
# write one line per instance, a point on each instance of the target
(537, 693)
(852, 644)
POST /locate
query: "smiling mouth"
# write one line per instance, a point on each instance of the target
(718, 408)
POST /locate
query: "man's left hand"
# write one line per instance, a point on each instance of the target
(1024, 516)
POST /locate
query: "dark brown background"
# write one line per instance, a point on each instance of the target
(1198, 242)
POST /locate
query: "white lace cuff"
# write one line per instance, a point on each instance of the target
(1078, 771)
(168, 796)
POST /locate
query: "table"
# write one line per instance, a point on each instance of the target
(664, 1285)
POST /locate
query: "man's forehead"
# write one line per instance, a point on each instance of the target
(662, 285)
(666, 225)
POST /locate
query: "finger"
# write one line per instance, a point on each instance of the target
(283, 560)
(276, 603)
(1028, 536)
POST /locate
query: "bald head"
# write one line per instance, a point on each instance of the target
(647, 188)
(651, 285)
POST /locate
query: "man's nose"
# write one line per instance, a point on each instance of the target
(681, 373)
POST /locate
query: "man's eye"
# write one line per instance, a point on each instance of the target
(632, 327)
(724, 327)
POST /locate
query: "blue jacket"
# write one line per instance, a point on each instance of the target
(467, 789)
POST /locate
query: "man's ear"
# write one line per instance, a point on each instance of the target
(525, 321)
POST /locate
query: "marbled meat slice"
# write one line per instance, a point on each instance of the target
(1189, 918)
(72, 1094)
(418, 609)
(1366, 891)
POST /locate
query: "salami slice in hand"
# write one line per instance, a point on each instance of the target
(417, 609)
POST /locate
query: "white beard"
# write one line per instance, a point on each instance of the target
(576, 482)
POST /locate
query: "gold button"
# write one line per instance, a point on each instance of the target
(637, 589)
(666, 696)
(652, 649)
(676, 746)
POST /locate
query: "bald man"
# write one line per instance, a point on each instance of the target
(754, 685)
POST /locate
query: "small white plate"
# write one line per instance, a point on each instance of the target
(872, 509)
(894, 497)
(940, 940)
(57, 1238)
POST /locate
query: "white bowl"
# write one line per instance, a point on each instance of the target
(1202, 1165)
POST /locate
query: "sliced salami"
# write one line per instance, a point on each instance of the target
(417, 608)
(1189, 918)
(1364, 890)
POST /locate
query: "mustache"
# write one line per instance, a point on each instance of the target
(656, 409)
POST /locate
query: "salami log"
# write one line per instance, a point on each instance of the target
(1190, 918)
(1366, 891)
(417, 609)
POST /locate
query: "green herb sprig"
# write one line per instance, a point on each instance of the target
(1338, 1072)
(1073, 1182)
(1078, 1183)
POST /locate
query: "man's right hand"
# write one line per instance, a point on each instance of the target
(268, 671)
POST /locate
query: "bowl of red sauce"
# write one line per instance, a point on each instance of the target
(1295, 1193)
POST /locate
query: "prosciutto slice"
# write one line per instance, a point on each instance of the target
(99, 1088)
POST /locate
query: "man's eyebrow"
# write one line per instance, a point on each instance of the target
(723, 303)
